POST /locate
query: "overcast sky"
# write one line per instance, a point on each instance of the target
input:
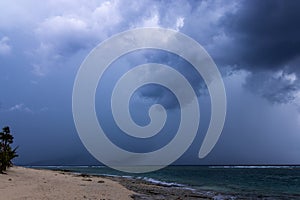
(255, 44)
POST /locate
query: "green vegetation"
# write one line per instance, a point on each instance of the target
(6, 151)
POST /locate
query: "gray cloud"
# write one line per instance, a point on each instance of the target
(265, 33)
(20, 107)
(5, 48)
(257, 36)
(262, 37)
(253, 42)
(280, 87)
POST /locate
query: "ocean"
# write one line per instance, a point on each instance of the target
(222, 182)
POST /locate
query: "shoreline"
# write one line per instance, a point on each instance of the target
(29, 183)
(145, 190)
(67, 183)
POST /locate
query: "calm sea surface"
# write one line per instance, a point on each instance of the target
(265, 182)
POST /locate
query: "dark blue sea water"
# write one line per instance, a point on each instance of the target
(264, 182)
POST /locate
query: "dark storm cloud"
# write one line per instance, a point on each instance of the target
(45, 43)
(265, 42)
(266, 33)
(263, 39)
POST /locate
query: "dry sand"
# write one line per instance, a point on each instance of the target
(23, 183)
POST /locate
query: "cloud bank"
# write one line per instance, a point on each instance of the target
(261, 37)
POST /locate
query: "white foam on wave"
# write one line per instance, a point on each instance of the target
(155, 181)
(223, 197)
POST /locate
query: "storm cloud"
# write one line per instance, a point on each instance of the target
(264, 40)
(265, 33)
(260, 37)
(255, 45)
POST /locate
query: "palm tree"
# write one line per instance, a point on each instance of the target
(6, 152)
(6, 137)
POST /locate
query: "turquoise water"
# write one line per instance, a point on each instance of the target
(268, 182)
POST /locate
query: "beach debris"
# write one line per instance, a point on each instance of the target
(87, 179)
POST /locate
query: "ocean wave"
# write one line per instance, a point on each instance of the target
(163, 183)
(151, 180)
(223, 197)
(256, 167)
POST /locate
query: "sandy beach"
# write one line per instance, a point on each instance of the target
(23, 183)
(34, 184)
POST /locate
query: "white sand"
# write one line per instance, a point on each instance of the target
(24, 183)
